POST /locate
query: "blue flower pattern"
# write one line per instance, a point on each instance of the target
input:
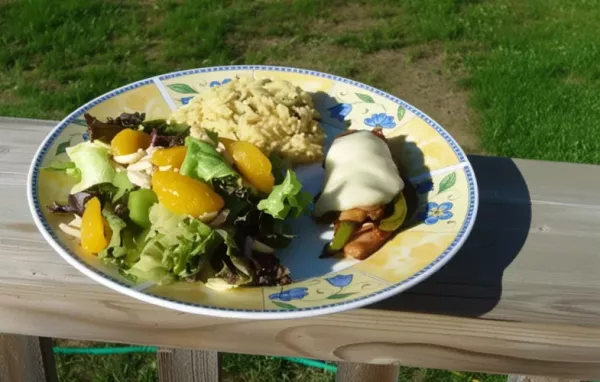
(380, 120)
(340, 281)
(217, 83)
(425, 187)
(436, 212)
(290, 294)
(340, 111)
(186, 100)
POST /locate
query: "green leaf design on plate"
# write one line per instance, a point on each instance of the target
(79, 122)
(400, 113)
(182, 88)
(283, 305)
(448, 181)
(365, 97)
(61, 148)
(339, 296)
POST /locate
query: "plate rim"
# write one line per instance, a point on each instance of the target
(108, 281)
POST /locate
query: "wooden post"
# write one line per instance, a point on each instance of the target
(364, 372)
(182, 365)
(26, 359)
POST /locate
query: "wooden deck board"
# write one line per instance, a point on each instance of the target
(522, 297)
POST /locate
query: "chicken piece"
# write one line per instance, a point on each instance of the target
(356, 215)
(377, 213)
(364, 244)
(360, 214)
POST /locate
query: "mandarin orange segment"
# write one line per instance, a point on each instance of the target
(173, 157)
(253, 164)
(226, 142)
(93, 238)
(129, 141)
(184, 195)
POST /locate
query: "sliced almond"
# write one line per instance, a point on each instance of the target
(261, 247)
(220, 219)
(76, 222)
(130, 158)
(142, 165)
(208, 217)
(248, 246)
(139, 179)
(70, 230)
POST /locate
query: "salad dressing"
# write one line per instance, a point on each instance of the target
(359, 172)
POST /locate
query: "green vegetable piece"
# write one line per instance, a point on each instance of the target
(396, 219)
(139, 205)
(163, 128)
(176, 247)
(203, 162)
(342, 235)
(91, 159)
(122, 182)
(68, 168)
(286, 199)
(115, 248)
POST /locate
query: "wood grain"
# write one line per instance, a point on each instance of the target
(26, 359)
(522, 297)
(362, 372)
(183, 365)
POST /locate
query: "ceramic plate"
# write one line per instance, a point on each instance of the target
(437, 167)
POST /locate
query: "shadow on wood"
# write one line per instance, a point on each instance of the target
(471, 283)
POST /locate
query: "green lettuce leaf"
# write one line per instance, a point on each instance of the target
(115, 247)
(164, 127)
(91, 159)
(241, 264)
(176, 247)
(68, 168)
(203, 162)
(286, 199)
(122, 250)
(123, 184)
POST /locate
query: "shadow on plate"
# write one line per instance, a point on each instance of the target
(471, 283)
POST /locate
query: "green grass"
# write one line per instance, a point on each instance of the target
(531, 68)
(534, 72)
(531, 65)
(234, 368)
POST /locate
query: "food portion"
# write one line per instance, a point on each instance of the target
(274, 115)
(195, 197)
(362, 194)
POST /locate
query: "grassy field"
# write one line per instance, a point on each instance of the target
(235, 368)
(508, 77)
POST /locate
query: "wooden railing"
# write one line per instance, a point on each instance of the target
(521, 297)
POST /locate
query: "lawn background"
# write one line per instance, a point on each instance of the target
(515, 78)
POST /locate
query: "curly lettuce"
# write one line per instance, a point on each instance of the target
(176, 247)
(286, 199)
(122, 250)
(203, 161)
(92, 161)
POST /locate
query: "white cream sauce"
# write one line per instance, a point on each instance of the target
(359, 172)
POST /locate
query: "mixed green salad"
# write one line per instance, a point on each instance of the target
(162, 205)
